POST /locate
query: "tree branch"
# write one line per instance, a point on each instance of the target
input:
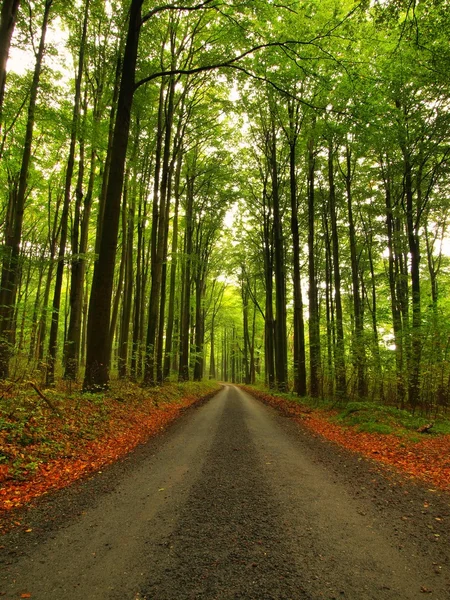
(164, 7)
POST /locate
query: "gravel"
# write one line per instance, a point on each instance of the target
(234, 500)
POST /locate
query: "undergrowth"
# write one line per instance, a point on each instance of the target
(34, 430)
(366, 416)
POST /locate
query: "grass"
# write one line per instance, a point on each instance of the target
(369, 417)
(377, 418)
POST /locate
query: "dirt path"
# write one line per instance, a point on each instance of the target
(233, 501)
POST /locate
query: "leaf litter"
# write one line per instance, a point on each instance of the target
(426, 458)
(42, 451)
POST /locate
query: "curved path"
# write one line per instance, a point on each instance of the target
(233, 501)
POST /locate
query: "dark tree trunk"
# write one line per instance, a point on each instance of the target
(358, 337)
(246, 334)
(183, 373)
(330, 323)
(158, 214)
(199, 327)
(122, 352)
(98, 342)
(140, 276)
(78, 272)
(314, 322)
(7, 24)
(212, 354)
(53, 339)
(341, 385)
(268, 277)
(280, 274)
(173, 276)
(393, 278)
(299, 326)
(414, 255)
(107, 162)
(10, 264)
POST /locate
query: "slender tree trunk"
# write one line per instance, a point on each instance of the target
(199, 325)
(358, 336)
(393, 278)
(246, 335)
(53, 340)
(341, 385)
(183, 374)
(122, 354)
(268, 276)
(121, 274)
(35, 318)
(10, 265)
(139, 282)
(331, 336)
(212, 354)
(7, 24)
(173, 275)
(280, 274)
(152, 323)
(299, 326)
(314, 322)
(163, 257)
(414, 254)
(80, 233)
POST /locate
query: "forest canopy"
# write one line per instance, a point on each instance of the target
(247, 190)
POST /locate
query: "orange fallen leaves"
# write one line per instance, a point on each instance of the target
(126, 426)
(427, 459)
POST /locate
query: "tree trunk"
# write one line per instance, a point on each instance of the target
(10, 264)
(246, 334)
(268, 277)
(80, 234)
(53, 340)
(299, 326)
(341, 385)
(199, 326)
(414, 255)
(152, 323)
(280, 274)
(98, 343)
(183, 372)
(314, 322)
(393, 278)
(212, 355)
(173, 275)
(122, 354)
(358, 336)
(7, 24)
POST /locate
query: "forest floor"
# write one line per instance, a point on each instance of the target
(233, 500)
(384, 434)
(50, 439)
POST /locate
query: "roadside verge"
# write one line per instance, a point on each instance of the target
(425, 457)
(47, 450)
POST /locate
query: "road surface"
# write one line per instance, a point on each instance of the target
(233, 501)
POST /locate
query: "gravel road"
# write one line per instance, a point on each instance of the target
(233, 501)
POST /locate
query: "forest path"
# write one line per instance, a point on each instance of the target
(233, 501)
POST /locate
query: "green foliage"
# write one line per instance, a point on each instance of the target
(375, 418)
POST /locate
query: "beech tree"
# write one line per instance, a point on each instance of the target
(211, 192)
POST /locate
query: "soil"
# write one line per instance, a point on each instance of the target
(234, 500)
